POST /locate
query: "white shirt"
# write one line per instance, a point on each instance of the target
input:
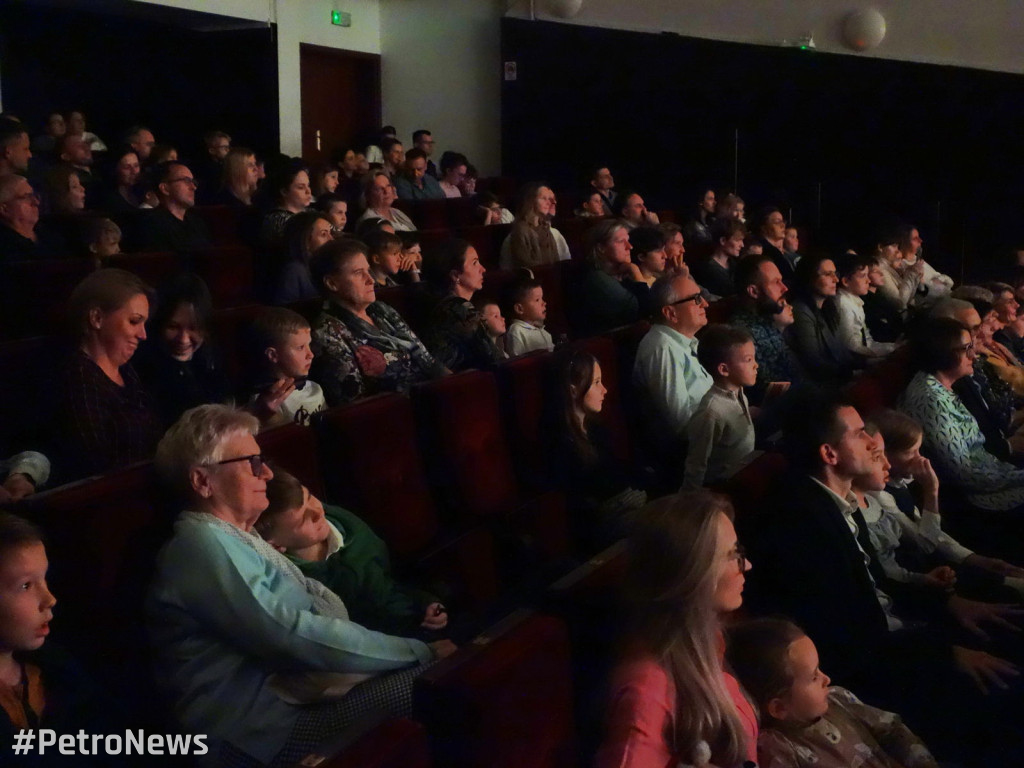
(853, 329)
(668, 373)
(523, 337)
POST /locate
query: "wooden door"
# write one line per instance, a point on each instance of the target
(340, 98)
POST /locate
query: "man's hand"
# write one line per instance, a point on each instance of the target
(942, 577)
(984, 668)
(995, 565)
(971, 614)
(17, 487)
(435, 617)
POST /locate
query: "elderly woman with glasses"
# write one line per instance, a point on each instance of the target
(263, 660)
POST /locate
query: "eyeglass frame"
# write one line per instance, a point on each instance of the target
(256, 463)
(697, 299)
(740, 556)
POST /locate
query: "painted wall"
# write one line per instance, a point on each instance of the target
(983, 34)
(298, 21)
(441, 70)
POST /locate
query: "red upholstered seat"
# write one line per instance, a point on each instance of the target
(524, 389)
(222, 221)
(230, 329)
(379, 742)
(550, 277)
(228, 271)
(294, 448)
(464, 212)
(425, 214)
(470, 461)
(372, 466)
(881, 386)
(35, 294)
(720, 311)
(503, 701)
(154, 268)
(756, 482)
(30, 373)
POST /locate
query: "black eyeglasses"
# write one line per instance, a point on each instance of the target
(697, 299)
(740, 556)
(255, 463)
(966, 348)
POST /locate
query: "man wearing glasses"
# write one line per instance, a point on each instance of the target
(668, 378)
(19, 214)
(173, 225)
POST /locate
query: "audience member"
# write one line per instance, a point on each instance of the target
(141, 139)
(373, 151)
(394, 157)
(103, 239)
(388, 264)
(884, 319)
(602, 500)
(720, 435)
(492, 210)
(324, 180)
(630, 208)
(533, 241)
(731, 207)
(64, 190)
(764, 313)
(592, 206)
(771, 230)
(173, 225)
(698, 229)
(19, 215)
(378, 195)
(803, 720)
(177, 363)
(675, 249)
(668, 378)
(74, 150)
(22, 474)
(304, 233)
(362, 345)
(901, 279)
(336, 208)
(602, 182)
(453, 172)
(493, 322)
(1006, 307)
(672, 700)
(529, 311)
(933, 285)
(455, 334)
(46, 143)
(76, 125)
(163, 153)
(122, 193)
(238, 180)
(106, 420)
(346, 160)
(414, 183)
(288, 187)
(423, 140)
(791, 245)
(211, 168)
(612, 289)
(224, 605)
(716, 273)
(15, 149)
(648, 252)
(854, 284)
(282, 392)
(815, 334)
(333, 546)
(467, 186)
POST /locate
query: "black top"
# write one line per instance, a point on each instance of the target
(177, 386)
(15, 247)
(162, 231)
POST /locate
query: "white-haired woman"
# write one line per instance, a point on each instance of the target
(672, 701)
(259, 657)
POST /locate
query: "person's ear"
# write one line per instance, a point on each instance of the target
(777, 708)
(95, 318)
(573, 391)
(753, 291)
(272, 356)
(454, 275)
(330, 283)
(829, 455)
(668, 313)
(517, 308)
(199, 479)
(723, 370)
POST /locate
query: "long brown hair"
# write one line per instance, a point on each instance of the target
(575, 372)
(672, 580)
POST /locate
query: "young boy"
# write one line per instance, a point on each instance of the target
(494, 323)
(804, 722)
(335, 547)
(528, 311)
(384, 252)
(284, 393)
(854, 285)
(721, 432)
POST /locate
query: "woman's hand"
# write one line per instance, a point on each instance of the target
(631, 271)
(983, 667)
(273, 398)
(443, 648)
(435, 617)
(942, 577)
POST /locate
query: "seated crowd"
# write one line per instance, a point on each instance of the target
(890, 539)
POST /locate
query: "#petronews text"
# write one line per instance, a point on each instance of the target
(132, 743)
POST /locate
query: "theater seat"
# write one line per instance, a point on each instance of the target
(754, 484)
(504, 700)
(294, 448)
(373, 467)
(154, 268)
(524, 388)
(31, 370)
(229, 272)
(230, 330)
(374, 742)
(470, 463)
(35, 293)
(223, 223)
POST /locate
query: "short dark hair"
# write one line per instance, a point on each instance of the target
(645, 239)
(620, 201)
(849, 264)
(379, 241)
(10, 131)
(184, 288)
(415, 154)
(17, 532)
(327, 199)
(409, 239)
(758, 652)
(450, 160)
(388, 144)
(668, 230)
(935, 344)
(284, 492)
(814, 424)
(726, 229)
(716, 340)
(329, 257)
(748, 271)
(419, 134)
(517, 293)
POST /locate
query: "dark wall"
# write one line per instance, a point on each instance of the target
(872, 139)
(120, 71)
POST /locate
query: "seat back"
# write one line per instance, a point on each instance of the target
(294, 447)
(222, 222)
(155, 268)
(35, 294)
(229, 272)
(524, 388)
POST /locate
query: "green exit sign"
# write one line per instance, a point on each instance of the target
(341, 19)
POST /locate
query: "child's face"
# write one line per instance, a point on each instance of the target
(791, 242)
(743, 365)
(875, 276)
(294, 355)
(876, 479)
(390, 260)
(413, 252)
(808, 698)
(533, 308)
(654, 261)
(26, 605)
(493, 320)
(859, 283)
(902, 461)
(301, 527)
(338, 214)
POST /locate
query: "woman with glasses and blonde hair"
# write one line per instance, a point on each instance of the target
(672, 702)
(533, 241)
(262, 659)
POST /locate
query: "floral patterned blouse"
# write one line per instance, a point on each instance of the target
(355, 359)
(955, 443)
